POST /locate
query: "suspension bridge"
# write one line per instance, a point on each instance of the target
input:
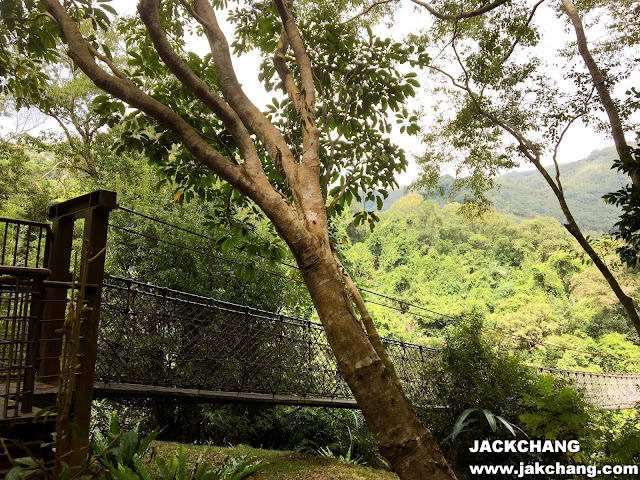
(156, 341)
(142, 340)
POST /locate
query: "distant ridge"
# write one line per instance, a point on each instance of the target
(526, 194)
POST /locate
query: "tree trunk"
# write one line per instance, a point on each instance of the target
(400, 435)
(600, 85)
(625, 300)
(367, 322)
(574, 230)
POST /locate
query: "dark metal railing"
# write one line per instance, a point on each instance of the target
(158, 336)
(21, 291)
(23, 243)
(23, 256)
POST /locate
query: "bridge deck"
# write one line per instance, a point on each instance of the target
(119, 390)
(156, 341)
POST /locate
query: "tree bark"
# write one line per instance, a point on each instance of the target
(400, 435)
(462, 14)
(369, 326)
(600, 84)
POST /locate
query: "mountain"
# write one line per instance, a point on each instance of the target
(527, 195)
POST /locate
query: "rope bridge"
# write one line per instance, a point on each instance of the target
(156, 341)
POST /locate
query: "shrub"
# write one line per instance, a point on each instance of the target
(479, 392)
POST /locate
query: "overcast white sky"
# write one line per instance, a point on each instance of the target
(578, 143)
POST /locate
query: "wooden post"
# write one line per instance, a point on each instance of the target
(96, 224)
(94, 208)
(59, 258)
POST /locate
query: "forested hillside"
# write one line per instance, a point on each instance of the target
(529, 279)
(526, 195)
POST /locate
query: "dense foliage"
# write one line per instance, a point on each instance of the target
(507, 400)
(528, 277)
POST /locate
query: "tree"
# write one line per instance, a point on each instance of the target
(511, 107)
(286, 162)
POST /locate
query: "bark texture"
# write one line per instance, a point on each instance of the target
(401, 437)
(367, 323)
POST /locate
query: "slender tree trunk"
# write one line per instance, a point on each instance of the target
(625, 300)
(600, 85)
(574, 230)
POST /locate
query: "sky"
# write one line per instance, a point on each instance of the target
(579, 142)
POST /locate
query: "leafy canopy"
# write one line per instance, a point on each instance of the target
(363, 83)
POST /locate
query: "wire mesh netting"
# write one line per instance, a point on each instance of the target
(158, 336)
(603, 390)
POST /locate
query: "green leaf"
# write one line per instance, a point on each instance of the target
(461, 423)
(491, 419)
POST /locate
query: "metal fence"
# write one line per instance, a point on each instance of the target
(159, 336)
(610, 391)
(21, 291)
(23, 243)
(23, 251)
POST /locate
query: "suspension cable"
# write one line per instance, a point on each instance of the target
(286, 264)
(206, 254)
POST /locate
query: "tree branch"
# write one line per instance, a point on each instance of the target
(517, 40)
(557, 146)
(310, 131)
(285, 74)
(251, 116)
(368, 9)
(148, 10)
(343, 189)
(106, 60)
(127, 91)
(562, 134)
(31, 19)
(461, 15)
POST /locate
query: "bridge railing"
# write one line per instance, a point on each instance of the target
(23, 254)
(23, 243)
(159, 336)
(610, 391)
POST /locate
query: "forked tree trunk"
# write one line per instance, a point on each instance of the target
(401, 437)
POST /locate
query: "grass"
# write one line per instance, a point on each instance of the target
(282, 465)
